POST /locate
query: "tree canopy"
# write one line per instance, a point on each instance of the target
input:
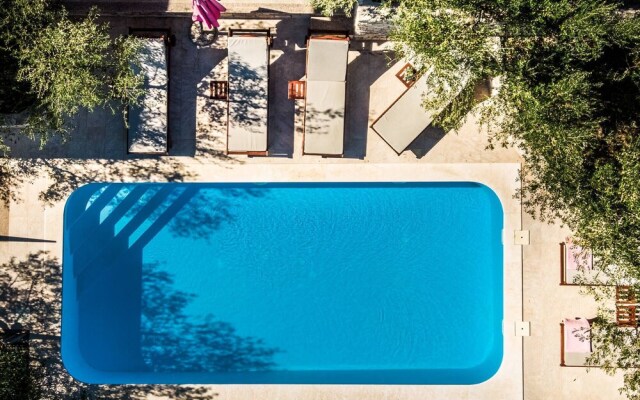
(570, 99)
(52, 66)
(329, 7)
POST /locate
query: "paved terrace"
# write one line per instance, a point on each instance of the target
(42, 179)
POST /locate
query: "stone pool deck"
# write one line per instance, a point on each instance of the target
(32, 220)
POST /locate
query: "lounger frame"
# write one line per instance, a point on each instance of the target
(253, 33)
(432, 115)
(407, 87)
(269, 39)
(169, 41)
(563, 269)
(326, 35)
(562, 357)
(400, 76)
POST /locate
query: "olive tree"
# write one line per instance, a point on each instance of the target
(53, 66)
(569, 97)
(329, 7)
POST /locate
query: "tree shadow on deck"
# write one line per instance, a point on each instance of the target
(362, 72)
(66, 175)
(95, 150)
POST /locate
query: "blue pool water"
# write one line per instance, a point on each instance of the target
(391, 283)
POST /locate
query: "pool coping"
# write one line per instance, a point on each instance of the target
(502, 178)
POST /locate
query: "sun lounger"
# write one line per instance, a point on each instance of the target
(574, 261)
(148, 124)
(575, 342)
(325, 94)
(405, 119)
(248, 97)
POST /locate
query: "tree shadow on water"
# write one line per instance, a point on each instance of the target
(30, 291)
(143, 316)
(202, 344)
(186, 210)
(200, 217)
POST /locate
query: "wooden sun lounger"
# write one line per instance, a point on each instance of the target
(405, 119)
(579, 359)
(148, 123)
(568, 359)
(566, 279)
(247, 92)
(325, 93)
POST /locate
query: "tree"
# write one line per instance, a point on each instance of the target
(53, 66)
(570, 99)
(19, 20)
(616, 348)
(329, 7)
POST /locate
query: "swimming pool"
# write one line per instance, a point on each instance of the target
(376, 283)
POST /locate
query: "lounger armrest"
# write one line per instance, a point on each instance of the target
(253, 32)
(563, 276)
(562, 363)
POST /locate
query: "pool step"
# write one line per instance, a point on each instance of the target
(78, 219)
(108, 241)
(121, 247)
(88, 221)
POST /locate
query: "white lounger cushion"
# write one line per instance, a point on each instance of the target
(407, 118)
(324, 118)
(325, 99)
(327, 60)
(248, 93)
(577, 359)
(148, 122)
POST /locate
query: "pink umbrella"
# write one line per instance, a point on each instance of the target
(207, 12)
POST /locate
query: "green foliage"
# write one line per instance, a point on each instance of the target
(570, 99)
(443, 42)
(19, 21)
(617, 348)
(569, 96)
(330, 7)
(56, 66)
